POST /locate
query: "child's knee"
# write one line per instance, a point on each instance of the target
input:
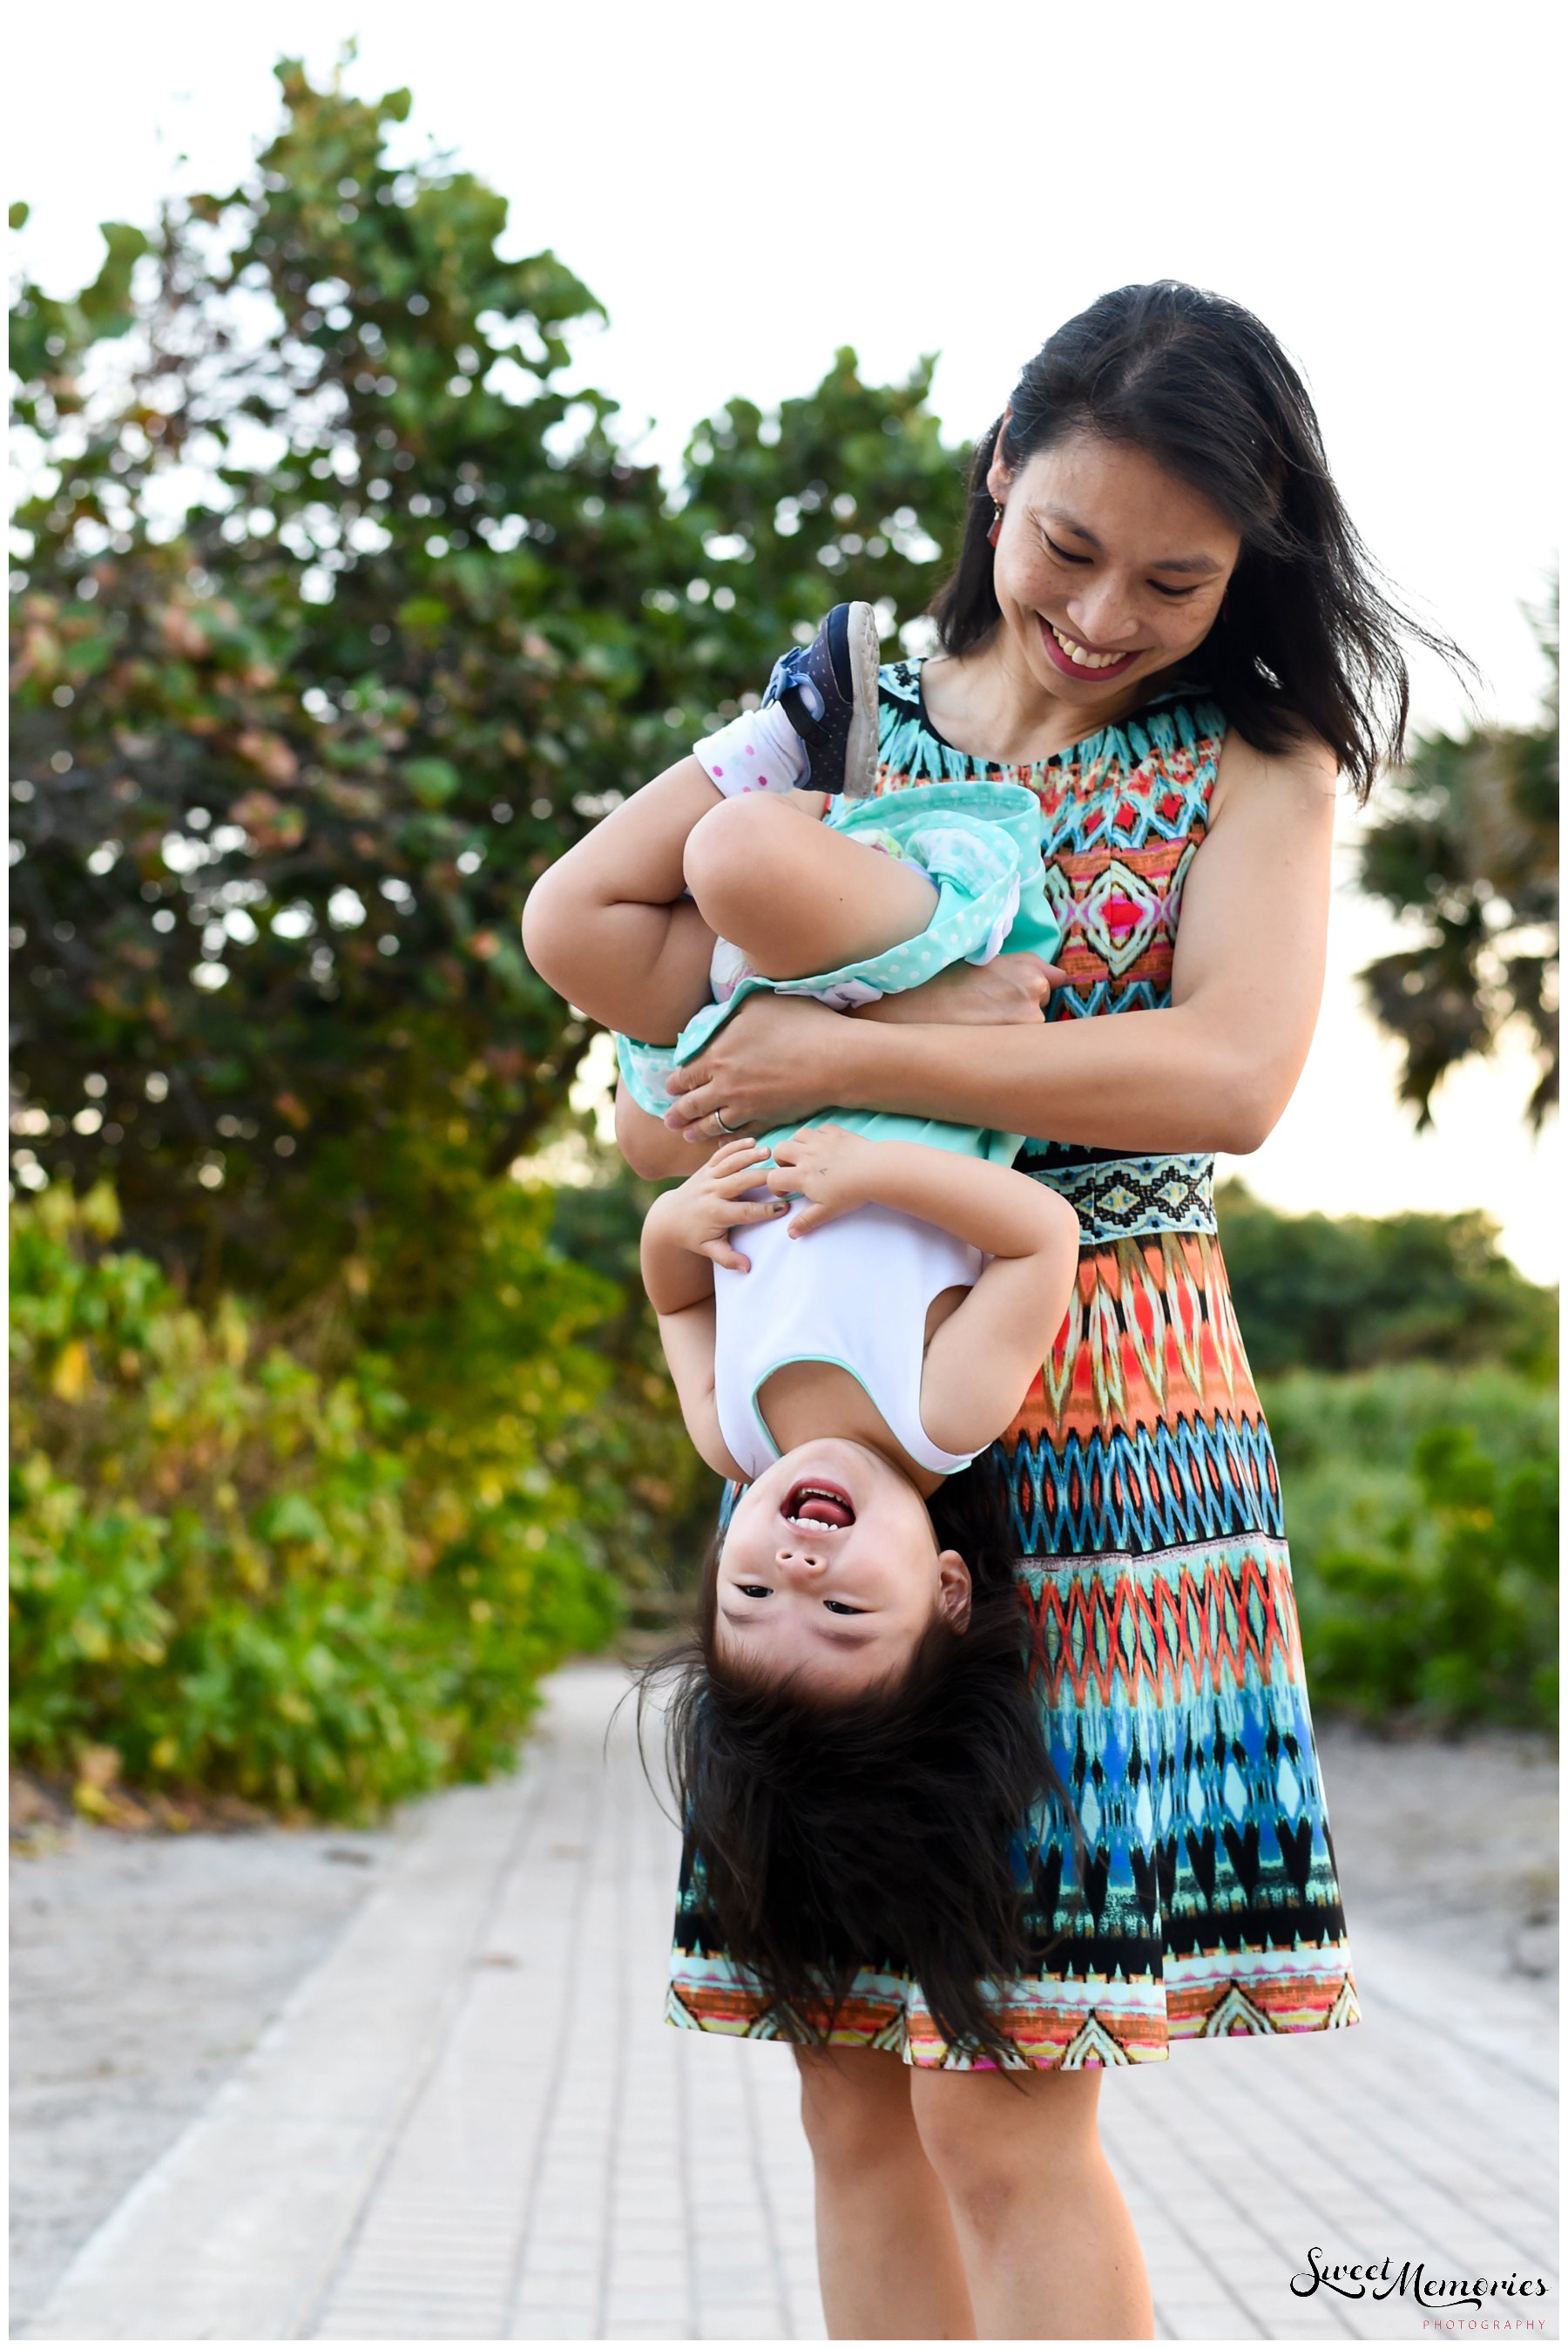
(547, 927)
(727, 855)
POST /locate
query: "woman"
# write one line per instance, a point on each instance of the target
(1162, 622)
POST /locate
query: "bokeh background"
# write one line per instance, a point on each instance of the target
(446, 428)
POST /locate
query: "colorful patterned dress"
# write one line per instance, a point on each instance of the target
(1155, 1577)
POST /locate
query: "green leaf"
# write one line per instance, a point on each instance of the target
(423, 614)
(433, 781)
(291, 1518)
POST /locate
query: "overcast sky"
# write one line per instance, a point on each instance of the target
(748, 188)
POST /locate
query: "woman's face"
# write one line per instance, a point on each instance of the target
(830, 1568)
(1108, 570)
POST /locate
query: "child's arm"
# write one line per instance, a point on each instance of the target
(685, 1234)
(981, 1360)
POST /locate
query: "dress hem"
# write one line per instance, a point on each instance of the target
(1075, 2027)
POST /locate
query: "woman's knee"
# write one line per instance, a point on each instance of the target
(994, 2136)
(854, 2105)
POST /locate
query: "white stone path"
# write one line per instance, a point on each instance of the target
(470, 2123)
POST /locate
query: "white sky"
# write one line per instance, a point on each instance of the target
(747, 188)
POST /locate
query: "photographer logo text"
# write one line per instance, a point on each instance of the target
(1356, 2279)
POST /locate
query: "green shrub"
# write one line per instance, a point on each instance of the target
(1421, 1507)
(321, 1590)
(1349, 1292)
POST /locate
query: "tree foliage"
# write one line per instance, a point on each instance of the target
(1468, 851)
(342, 616)
(1342, 1293)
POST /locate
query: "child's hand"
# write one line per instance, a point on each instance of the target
(701, 1214)
(830, 1165)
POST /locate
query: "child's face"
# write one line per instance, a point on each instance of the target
(830, 1568)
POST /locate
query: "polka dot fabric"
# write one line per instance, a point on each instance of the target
(980, 844)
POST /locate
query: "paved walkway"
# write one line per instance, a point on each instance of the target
(470, 2123)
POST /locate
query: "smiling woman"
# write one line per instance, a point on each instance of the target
(1163, 638)
(1131, 604)
(1163, 625)
(1157, 484)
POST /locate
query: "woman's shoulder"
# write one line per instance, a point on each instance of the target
(1299, 771)
(908, 747)
(1300, 761)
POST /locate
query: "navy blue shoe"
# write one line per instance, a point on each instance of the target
(828, 691)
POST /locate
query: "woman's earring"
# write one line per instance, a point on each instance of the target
(995, 533)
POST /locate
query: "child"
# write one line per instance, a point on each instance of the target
(844, 1378)
(841, 1382)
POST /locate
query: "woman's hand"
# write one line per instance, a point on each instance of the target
(700, 1216)
(1009, 989)
(828, 1166)
(775, 1060)
(772, 1063)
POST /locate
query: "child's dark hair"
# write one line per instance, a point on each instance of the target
(886, 1827)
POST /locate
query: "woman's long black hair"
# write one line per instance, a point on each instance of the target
(1307, 635)
(887, 1828)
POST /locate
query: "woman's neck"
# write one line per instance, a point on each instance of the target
(990, 705)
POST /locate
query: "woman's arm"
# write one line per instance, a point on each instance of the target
(1212, 1072)
(982, 995)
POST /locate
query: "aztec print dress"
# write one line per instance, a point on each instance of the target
(1155, 1577)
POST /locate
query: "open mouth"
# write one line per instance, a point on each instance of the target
(1077, 660)
(817, 1505)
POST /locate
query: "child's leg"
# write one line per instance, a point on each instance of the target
(797, 897)
(607, 926)
(650, 1149)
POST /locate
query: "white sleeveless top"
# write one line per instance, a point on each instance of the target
(855, 1293)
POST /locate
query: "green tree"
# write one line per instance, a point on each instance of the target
(341, 619)
(1468, 851)
(1343, 1293)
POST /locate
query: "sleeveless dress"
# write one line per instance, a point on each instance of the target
(1155, 1578)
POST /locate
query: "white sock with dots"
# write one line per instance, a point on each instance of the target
(758, 751)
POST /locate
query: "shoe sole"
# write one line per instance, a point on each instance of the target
(863, 644)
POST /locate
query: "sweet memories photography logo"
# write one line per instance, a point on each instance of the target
(1510, 2304)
